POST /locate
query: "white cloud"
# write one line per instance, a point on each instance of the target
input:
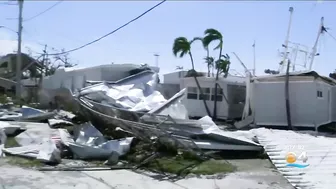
(8, 44)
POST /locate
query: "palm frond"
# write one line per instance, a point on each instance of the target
(220, 45)
(211, 35)
(209, 60)
(198, 39)
(226, 57)
(212, 32)
(223, 65)
(181, 46)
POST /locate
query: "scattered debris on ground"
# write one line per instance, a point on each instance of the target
(128, 125)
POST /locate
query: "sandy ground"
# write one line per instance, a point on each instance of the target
(251, 174)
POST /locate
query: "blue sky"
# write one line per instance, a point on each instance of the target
(73, 23)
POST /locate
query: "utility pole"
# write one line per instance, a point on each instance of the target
(156, 59)
(19, 57)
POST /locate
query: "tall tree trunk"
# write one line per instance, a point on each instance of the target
(198, 85)
(192, 61)
(207, 61)
(288, 113)
(215, 97)
(208, 70)
(212, 72)
(216, 86)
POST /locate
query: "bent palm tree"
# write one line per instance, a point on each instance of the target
(208, 60)
(224, 65)
(210, 63)
(182, 47)
(210, 36)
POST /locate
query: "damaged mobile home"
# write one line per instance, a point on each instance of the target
(230, 94)
(312, 100)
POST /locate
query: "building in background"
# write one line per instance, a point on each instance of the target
(230, 95)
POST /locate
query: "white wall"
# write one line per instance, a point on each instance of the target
(196, 107)
(174, 77)
(307, 109)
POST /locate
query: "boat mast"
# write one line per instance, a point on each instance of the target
(314, 50)
(291, 10)
(254, 60)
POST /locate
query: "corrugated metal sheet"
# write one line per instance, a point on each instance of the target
(321, 153)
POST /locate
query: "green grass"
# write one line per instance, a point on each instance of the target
(212, 167)
(19, 161)
(175, 166)
(23, 162)
(11, 142)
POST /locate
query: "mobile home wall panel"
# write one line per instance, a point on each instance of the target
(270, 107)
(333, 103)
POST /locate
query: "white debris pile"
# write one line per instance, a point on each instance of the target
(137, 93)
(3, 139)
(134, 93)
(41, 142)
(26, 113)
(38, 141)
(89, 143)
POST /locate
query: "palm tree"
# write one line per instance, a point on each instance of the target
(182, 47)
(223, 65)
(210, 63)
(212, 35)
(208, 60)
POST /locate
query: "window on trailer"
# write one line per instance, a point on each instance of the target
(219, 94)
(206, 94)
(319, 94)
(192, 93)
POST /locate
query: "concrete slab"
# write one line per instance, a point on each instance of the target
(18, 178)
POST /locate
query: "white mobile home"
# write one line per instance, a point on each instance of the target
(312, 100)
(175, 77)
(230, 96)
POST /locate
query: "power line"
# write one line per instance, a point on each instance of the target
(331, 35)
(104, 36)
(39, 14)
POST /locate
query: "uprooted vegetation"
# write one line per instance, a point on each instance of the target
(167, 159)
